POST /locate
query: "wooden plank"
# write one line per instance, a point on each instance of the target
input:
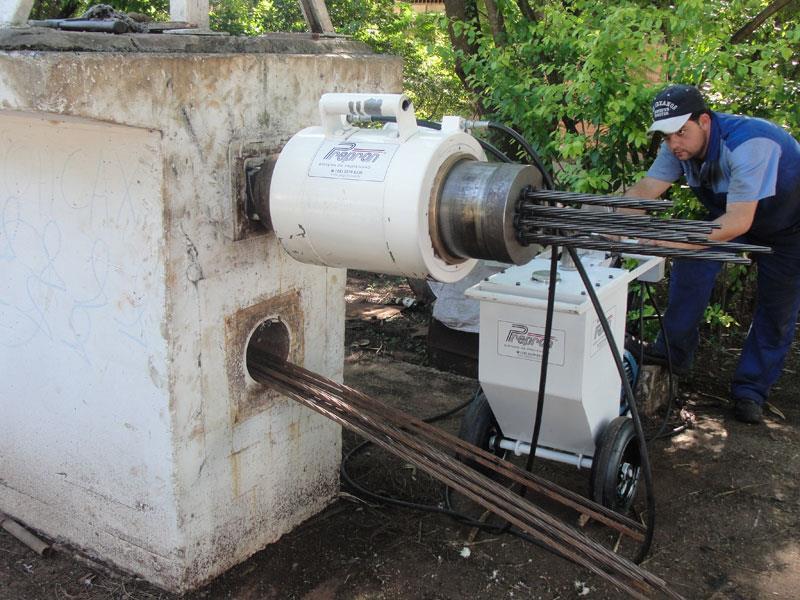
(14, 12)
(317, 17)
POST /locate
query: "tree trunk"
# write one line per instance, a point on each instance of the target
(745, 32)
(466, 11)
(527, 11)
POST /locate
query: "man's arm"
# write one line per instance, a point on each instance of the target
(736, 221)
(648, 187)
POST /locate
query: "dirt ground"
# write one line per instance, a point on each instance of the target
(728, 501)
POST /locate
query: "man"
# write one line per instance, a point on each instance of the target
(746, 173)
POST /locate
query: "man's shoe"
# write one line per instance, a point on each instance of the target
(650, 356)
(748, 411)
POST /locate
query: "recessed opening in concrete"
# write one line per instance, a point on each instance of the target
(269, 342)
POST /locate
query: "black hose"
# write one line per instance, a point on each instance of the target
(645, 460)
(548, 330)
(548, 180)
(488, 147)
(494, 151)
(637, 422)
(644, 293)
(433, 508)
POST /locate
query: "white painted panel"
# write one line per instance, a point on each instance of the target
(83, 354)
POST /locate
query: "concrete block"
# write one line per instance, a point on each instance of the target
(130, 426)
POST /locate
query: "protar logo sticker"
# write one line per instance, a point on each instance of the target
(350, 152)
(527, 342)
(360, 161)
(520, 334)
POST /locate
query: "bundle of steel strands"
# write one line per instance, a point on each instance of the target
(435, 452)
(540, 219)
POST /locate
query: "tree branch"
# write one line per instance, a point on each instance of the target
(750, 28)
(496, 22)
(527, 11)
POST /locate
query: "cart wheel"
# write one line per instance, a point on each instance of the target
(478, 426)
(616, 466)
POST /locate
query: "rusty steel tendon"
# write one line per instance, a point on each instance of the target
(436, 451)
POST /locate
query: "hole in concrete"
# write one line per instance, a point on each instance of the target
(406, 103)
(270, 338)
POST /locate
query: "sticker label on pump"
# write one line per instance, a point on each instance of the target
(598, 335)
(521, 340)
(360, 161)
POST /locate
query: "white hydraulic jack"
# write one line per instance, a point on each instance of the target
(584, 421)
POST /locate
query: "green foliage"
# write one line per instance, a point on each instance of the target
(256, 17)
(157, 10)
(578, 81)
(715, 314)
(428, 60)
(642, 317)
(387, 27)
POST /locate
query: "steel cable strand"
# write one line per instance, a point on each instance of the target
(481, 486)
(350, 421)
(504, 468)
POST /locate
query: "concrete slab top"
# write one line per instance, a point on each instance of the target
(53, 40)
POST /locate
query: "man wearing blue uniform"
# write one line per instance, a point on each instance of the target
(746, 173)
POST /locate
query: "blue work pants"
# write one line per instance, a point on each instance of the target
(771, 332)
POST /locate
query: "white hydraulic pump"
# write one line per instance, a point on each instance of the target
(401, 199)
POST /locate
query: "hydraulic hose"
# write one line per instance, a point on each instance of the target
(549, 183)
(637, 422)
(548, 331)
(670, 379)
(491, 149)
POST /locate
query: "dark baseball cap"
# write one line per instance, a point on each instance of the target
(674, 105)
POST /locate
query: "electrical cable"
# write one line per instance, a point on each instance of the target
(645, 460)
(548, 330)
(644, 293)
(646, 469)
(670, 378)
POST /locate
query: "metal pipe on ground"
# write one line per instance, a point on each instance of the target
(39, 546)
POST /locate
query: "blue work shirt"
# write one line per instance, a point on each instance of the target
(747, 159)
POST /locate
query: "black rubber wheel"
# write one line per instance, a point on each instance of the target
(478, 426)
(616, 466)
